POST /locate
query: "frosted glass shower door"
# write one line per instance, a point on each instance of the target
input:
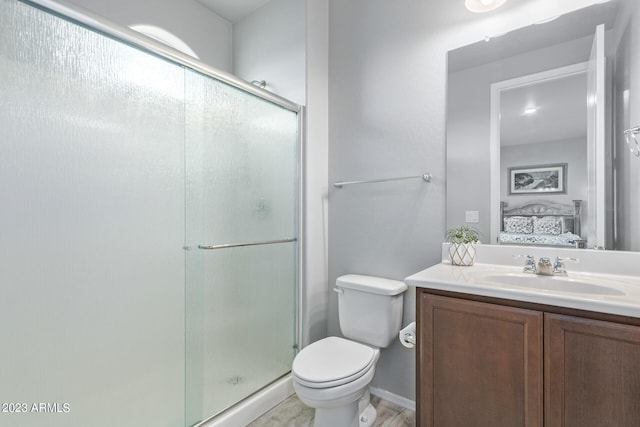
(91, 228)
(242, 204)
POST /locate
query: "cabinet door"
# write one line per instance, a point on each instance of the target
(592, 373)
(479, 364)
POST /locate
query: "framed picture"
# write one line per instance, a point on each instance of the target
(538, 179)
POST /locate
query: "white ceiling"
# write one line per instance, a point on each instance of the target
(234, 10)
(452, 11)
(567, 27)
(562, 111)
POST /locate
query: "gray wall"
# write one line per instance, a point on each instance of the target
(387, 92)
(316, 289)
(573, 152)
(381, 125)
(270, 45)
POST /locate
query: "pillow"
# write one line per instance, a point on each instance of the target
(547, 225)
(518, 224)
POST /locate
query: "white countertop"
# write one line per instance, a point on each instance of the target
(623, 300)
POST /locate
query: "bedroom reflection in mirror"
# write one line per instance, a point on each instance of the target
(542, 222)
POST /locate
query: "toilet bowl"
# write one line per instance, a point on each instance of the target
(333, 375)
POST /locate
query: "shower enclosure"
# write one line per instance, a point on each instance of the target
(149, 228)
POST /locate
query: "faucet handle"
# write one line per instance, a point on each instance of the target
(559, 267)
(530, 263)
(561, 260)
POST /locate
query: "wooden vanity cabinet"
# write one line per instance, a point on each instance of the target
(487, 364)
(478, 364)
(592, 373)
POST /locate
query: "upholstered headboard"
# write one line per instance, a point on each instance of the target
(544, 208)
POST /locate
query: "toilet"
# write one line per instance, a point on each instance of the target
(333, 375)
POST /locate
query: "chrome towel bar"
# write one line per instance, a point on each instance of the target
(426, 178)
(238, 245)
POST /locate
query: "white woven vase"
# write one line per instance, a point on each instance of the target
(462, 253)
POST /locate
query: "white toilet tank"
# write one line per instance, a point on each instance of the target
(370, 308)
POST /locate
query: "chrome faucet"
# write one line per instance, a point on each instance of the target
(544, 267)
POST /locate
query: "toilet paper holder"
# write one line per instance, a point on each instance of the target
(410, 338)
(407, 335)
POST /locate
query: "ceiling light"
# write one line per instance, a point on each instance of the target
(530, 110)
(480, 6)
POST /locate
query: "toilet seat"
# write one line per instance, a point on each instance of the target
(332, 362)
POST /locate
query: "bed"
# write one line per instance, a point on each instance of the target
(541, 222)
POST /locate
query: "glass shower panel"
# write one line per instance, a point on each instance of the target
(242, 188)
(91, 228)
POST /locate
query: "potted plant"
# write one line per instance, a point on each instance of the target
(462, 247)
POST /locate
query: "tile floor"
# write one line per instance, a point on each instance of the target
(293, 413)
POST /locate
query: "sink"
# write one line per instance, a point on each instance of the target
(596, 290)
(578, 284)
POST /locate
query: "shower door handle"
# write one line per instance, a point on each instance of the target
(238, 245)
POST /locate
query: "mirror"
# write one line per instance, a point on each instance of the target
(536, 147)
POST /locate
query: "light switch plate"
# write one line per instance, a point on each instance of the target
(472, 216)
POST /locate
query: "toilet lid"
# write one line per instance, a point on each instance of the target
(333, 361)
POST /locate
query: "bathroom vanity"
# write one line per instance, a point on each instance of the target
(499, 347)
